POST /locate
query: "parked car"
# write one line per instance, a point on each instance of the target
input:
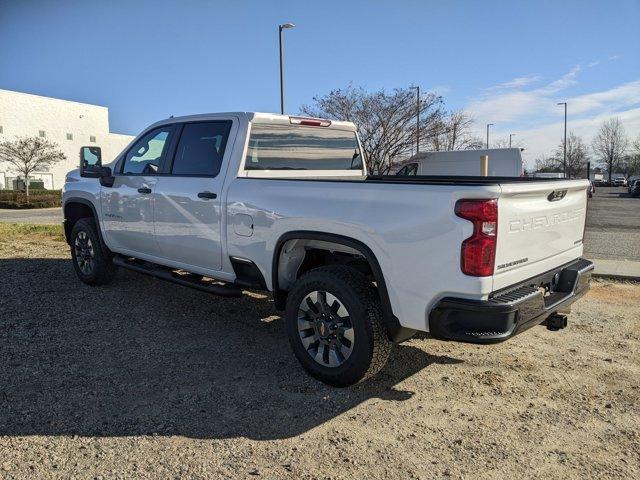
(224, 202)
(619, 182)
(634, 188)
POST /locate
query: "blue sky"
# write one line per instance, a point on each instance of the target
(507, 62)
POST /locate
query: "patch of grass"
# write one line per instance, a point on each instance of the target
(14, 230)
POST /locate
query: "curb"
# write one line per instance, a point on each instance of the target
(614, 276)
(625, 270)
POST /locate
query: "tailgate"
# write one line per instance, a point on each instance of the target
(538, 221)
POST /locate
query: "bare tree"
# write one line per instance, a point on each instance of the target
(453, 132)
(504, 143)
(631, 162)
(610, 144)
(500, 143)
(577, 155)
(386, 121)
(546, 164)
(30, 154)
(630, 165)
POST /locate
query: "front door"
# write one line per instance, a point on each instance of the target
(128, 206)
(188, 197)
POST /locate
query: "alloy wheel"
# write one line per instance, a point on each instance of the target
(85, 254)
(325, 328)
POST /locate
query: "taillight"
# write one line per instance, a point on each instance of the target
(312, 122)
(479, 250)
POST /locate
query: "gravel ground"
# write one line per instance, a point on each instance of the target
(144, 379)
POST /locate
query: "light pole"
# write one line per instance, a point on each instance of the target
(488, 125)
(418, 120)
(280, 28)
(564, 161)
(511, 135)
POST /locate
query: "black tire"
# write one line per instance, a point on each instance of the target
(371, 346)
(99, 268)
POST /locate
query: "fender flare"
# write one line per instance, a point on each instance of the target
(88, 203)
(397, 332)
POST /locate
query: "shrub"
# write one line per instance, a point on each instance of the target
(37, 199)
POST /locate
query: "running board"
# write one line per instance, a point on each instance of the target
(178, 276)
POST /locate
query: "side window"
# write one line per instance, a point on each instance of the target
(408, 170)
(145, 156)
(201, 149)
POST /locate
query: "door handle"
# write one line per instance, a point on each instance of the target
(144, 190)
(207, 195)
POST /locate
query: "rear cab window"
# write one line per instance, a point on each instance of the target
(298, 150)
(408, 170)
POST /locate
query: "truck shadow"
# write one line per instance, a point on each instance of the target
(143, 357)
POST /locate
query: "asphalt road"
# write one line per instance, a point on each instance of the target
(613, 225)
(40, 216)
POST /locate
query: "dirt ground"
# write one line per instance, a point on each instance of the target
(145, 379)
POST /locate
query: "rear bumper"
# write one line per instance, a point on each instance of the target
(511, 310)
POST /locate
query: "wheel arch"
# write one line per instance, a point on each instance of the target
(74, 209)
(397, 333)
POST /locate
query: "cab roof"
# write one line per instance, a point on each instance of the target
(260, 117)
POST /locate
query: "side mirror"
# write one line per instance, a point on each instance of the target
(91, 166)
(90, 162)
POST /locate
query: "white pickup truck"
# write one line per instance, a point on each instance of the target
(229, 201)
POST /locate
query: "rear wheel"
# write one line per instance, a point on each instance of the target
(334, 324)
(92, 261)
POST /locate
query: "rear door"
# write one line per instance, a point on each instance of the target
(539, 221)
(189, 196)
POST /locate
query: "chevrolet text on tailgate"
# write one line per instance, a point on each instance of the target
(229, 201)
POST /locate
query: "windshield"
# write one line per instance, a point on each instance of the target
(281, 147)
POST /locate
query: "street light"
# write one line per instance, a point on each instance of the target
(280, 28)
(564, 161)
(417, 121)
(488, 125)
(511, 135)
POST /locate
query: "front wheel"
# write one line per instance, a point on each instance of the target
(334, 324)
(92, 261)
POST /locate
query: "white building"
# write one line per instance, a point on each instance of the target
(69, 124)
